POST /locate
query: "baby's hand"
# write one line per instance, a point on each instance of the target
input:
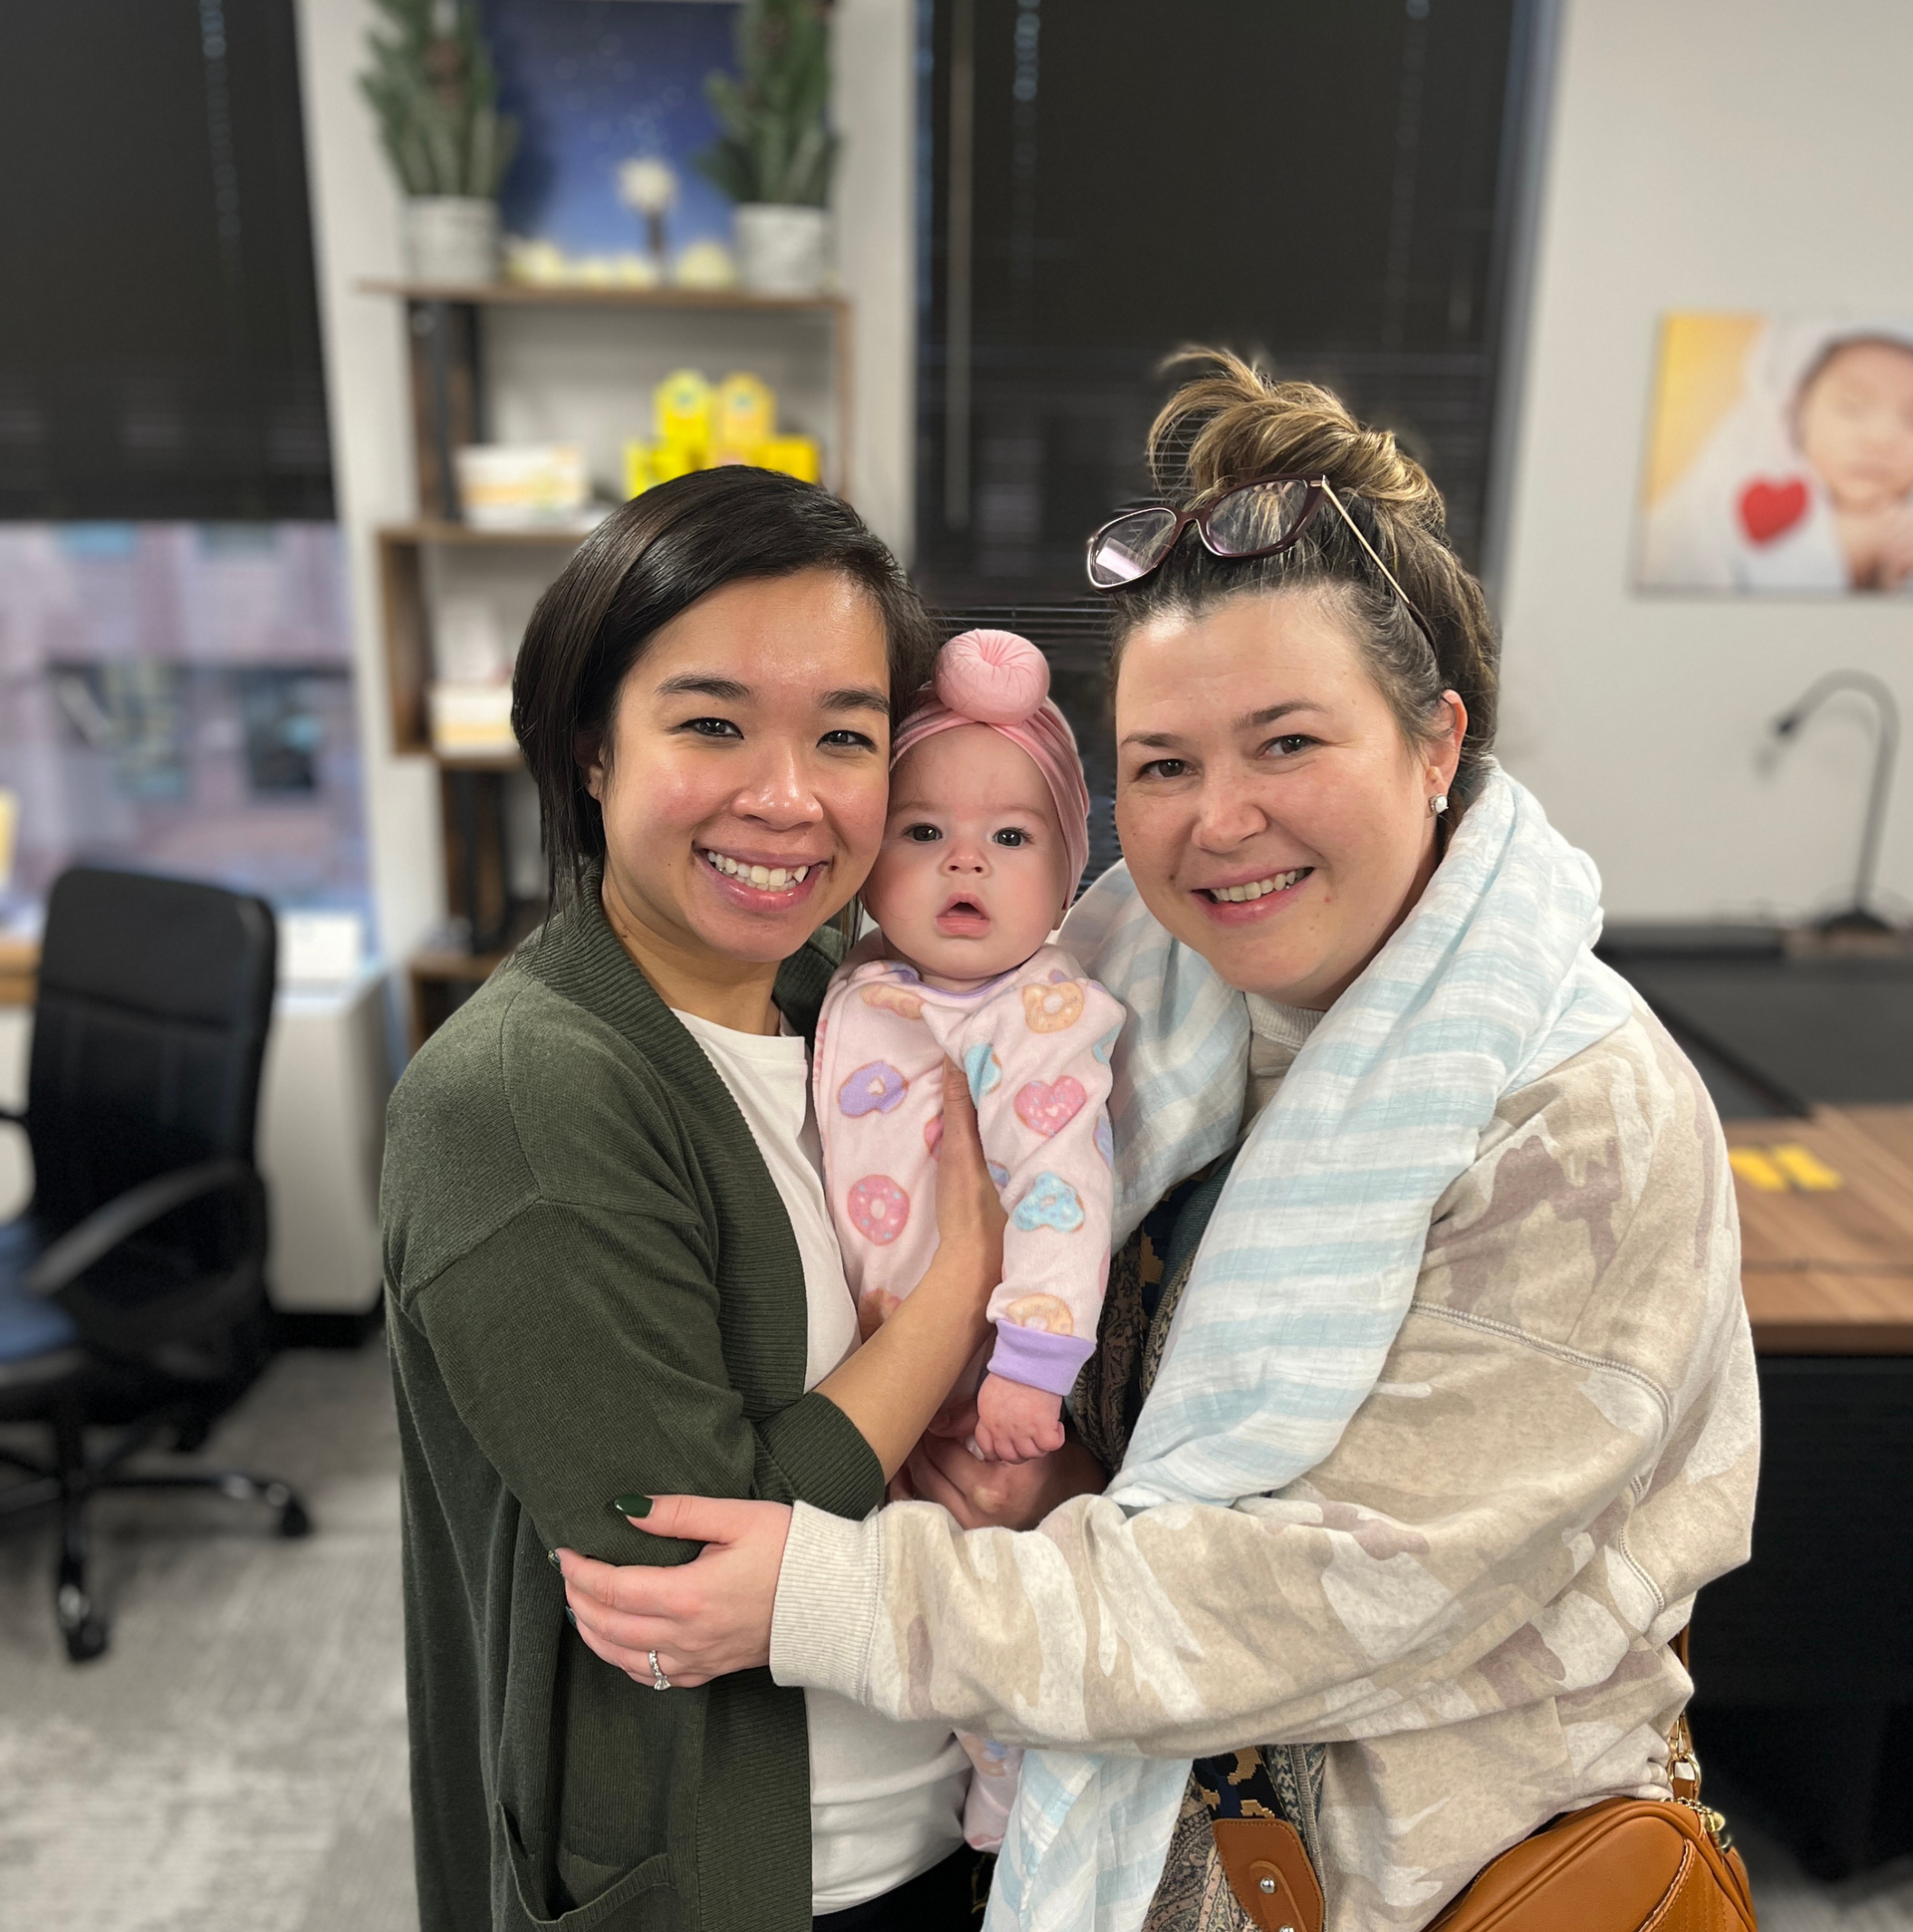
(1896, 550)
(1015, 1422)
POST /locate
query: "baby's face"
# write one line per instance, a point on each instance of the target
(969, 880)
(1856, 425)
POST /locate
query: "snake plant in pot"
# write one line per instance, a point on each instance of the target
(776, 152)
(435, 91)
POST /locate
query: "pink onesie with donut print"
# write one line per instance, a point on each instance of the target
(986, 836)
(1035, 1044)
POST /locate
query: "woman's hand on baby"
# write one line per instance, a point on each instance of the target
(944, 1469)
(706, 1618)
(1016, 1423)
(969, 1214)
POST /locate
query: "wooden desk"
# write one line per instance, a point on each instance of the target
(19, 971)
(1827, 1253)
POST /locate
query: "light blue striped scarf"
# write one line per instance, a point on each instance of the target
(1313, 1253)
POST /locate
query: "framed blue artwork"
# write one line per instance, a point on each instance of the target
(610, 100)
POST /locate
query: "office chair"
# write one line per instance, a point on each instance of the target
(133, 1290)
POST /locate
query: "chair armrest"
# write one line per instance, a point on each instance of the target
(123, 1216)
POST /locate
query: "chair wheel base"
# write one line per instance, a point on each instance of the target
(293, 1520)
(85, 1640)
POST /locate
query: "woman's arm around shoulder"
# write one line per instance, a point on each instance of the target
(1538, 1484)
(550, 1257)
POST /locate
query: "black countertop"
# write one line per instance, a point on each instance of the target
(1777, 1031)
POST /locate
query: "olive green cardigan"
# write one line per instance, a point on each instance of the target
(593, 1289)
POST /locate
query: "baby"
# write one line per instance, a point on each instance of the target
(988, 835)
(1854, 420)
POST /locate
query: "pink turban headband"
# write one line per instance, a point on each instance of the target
(997, 679)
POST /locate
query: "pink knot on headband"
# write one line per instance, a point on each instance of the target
(997, 678)
(993, 676)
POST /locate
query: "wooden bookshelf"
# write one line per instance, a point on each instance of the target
(434, 530)
(440, 977)
(584, 295)
(408, 622)
(445, 332)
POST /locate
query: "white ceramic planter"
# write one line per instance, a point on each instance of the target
(780, 250)
(452, 238)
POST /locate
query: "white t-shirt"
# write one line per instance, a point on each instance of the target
(886, 1799)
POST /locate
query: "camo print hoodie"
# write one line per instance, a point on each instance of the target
(1469, 1602)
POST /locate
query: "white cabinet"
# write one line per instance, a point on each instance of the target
(322, 1134)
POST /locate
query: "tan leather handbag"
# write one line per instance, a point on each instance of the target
(1628, 1865)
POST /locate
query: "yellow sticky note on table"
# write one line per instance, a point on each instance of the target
(1753, 1165)
(1805, 1169)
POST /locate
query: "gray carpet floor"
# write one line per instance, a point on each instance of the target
(236, 1761)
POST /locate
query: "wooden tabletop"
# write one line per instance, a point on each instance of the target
(1826, 1230)
(19, 970)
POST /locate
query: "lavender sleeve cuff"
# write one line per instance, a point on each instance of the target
(1035, 1356)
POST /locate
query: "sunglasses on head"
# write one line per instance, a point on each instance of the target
(1260, 518)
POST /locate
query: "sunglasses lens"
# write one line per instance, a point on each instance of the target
(1129, 548)
(1257, 518)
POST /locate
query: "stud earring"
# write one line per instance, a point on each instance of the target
(1437, 804)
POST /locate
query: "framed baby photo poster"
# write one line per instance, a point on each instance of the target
(1780, 456)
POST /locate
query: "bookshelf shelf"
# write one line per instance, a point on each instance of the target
(463, 381)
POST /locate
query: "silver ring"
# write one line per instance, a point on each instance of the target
(658, 1681)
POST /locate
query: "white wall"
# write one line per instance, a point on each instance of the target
(874, 107)
(1727, 154)
(355, 220)
(355, 234)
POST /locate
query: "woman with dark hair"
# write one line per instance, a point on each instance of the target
(1423, 1373)
(611, 1268)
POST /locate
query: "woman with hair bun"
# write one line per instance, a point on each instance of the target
(1423, 1401)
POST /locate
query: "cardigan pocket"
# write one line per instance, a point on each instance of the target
(642, 1900)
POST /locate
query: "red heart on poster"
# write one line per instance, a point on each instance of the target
(1769, 511)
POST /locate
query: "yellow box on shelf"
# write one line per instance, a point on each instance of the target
(795, 455)
(743, 418)
(697, 426)
(470, 721)
(681, 416)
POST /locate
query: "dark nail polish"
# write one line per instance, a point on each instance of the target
(571, 1617)
(551, 1557)
(631, 1506)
